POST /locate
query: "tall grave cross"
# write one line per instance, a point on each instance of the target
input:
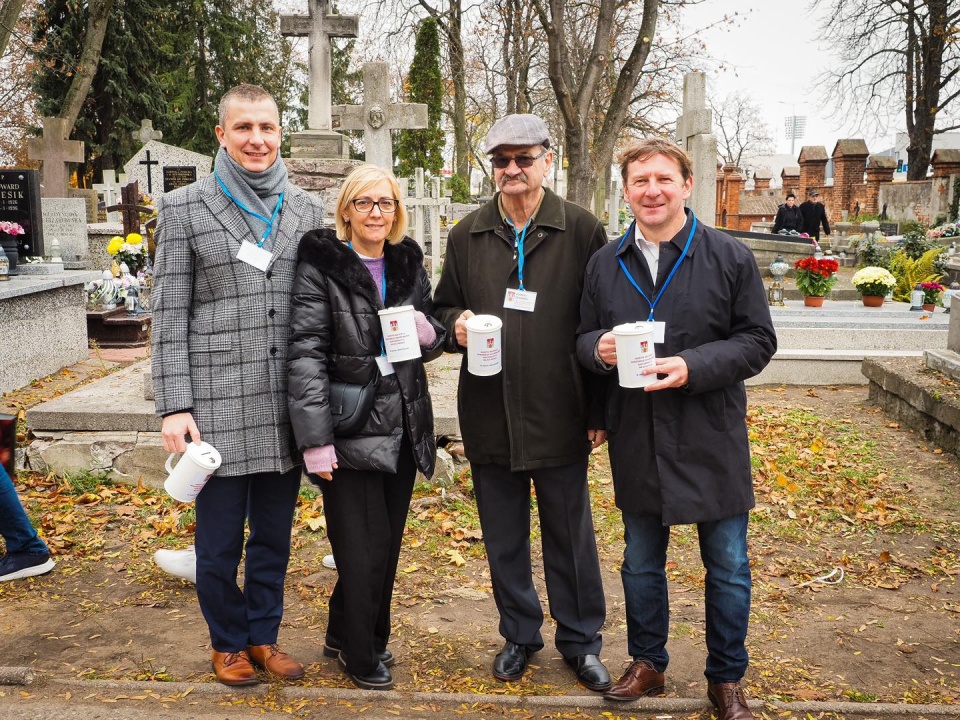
(319, 26)
(149, 163)
(378, 116)
(109, 188)
(146, 133)
(695, 135)
(54, 150)
(130, 208)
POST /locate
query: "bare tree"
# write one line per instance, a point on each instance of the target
(740, 131)
(9, 13)
(17, 106)
(906, 49)
(589, 139)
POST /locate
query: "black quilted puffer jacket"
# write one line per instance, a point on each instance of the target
(335, 335)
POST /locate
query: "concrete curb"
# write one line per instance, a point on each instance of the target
(654, 705)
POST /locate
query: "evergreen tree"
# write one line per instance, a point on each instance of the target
(167, 60)
(424, 148)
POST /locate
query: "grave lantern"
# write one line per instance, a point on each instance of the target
(778, 269)
(916, 298)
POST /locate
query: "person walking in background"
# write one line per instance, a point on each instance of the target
(789, 219)
(225, 263)
(366, 476)
(678, 447)
(521, 257)
(814, 215)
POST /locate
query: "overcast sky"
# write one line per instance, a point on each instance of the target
(773, 52)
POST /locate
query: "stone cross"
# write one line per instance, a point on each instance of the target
(319, 26)
(109, 189)
(146, 133)
(378, 116)
(425, 208)
(613, 207)
(130, 208)
(54, 150)
(695, 135)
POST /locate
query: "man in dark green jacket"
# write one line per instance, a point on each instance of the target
(531, 421)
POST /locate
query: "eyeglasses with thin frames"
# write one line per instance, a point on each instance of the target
(365, 205)
(501, 162)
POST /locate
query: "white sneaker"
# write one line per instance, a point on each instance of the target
(329, 562)
(179, 563)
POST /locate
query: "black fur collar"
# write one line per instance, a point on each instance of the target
(335, 259)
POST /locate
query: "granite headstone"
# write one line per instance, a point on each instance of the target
(149, 166)
(66, 220)
(20, 203)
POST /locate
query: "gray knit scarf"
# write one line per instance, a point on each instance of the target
(257, 191)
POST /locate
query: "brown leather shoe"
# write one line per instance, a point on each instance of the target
(234, 668)
(275, 661)
(638, 681)
(730, 701)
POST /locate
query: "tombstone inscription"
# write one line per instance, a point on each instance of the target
(20, 203)
(65, 220)
(178, 176)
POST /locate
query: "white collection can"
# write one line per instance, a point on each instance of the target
(400, 333)
(635, 353)
(484, 348)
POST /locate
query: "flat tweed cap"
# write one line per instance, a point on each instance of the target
(519, 130)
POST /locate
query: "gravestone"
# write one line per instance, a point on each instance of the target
(130, 208)
(20, 203)
(110, 191)
(425, 208)
(378, 116)
(458, 211)
(65, 219)
(319, 139)
(55, 152)
(695, 135)
(90, 199)
(889, 228)
(156, 162)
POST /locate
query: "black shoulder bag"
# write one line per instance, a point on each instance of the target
(350, 405)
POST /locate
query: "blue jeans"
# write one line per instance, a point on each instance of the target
(15, 526)
(723, 550)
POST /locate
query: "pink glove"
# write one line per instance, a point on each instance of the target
(426, 333)
(319, 459)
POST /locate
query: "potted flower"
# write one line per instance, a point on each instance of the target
(9, 243)
(129, 250)
(814, 277)
(873, 283)
(931, 294)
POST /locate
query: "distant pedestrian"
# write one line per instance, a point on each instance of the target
(789, 219)
(814, 215)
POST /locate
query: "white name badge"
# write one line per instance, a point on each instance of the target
(659, 329)
(253, 255)
(516, 299)
(386, 367)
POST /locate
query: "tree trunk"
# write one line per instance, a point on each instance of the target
(9, 15)
(99, 14)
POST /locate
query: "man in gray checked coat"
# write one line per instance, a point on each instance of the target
(226, 256)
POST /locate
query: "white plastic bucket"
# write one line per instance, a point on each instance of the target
(400, 333)
(484, 348)
(185, 481)
(635, 353)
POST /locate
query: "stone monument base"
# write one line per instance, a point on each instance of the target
(320, 176)
(319, 144)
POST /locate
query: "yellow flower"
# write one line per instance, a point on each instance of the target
(116, 242)
(134, 239)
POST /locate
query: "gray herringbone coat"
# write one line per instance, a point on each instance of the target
(220, 326)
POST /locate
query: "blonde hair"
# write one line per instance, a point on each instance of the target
(361, 179)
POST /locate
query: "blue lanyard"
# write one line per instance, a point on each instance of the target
(520, 235)
(673, 271)
(268, 220)
(383, 294)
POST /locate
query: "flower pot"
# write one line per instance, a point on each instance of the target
(929, 307)
(813, 300)
(873, 300)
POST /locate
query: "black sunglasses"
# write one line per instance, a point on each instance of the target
(501, 162)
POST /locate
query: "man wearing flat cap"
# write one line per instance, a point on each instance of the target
(521, 257)
(814, 215)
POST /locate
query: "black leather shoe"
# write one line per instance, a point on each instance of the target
(591, 673)
(379, 679)
(331, 649)
(511, 662)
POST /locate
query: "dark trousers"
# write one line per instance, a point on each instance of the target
(251, 616)
(366, 512)
(570, 562)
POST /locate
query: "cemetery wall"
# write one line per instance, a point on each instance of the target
(909, 200)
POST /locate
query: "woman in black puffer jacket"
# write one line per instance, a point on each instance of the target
(367, 479)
